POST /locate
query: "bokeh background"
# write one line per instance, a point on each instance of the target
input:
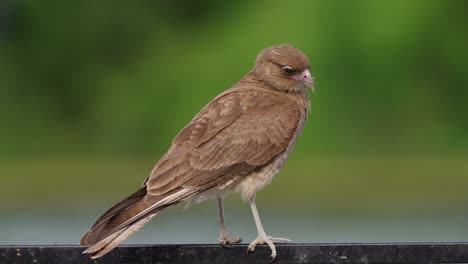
(92, 92)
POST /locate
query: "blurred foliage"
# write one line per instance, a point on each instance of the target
(124, 78)
(106, 79)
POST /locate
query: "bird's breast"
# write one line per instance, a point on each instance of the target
(250, 184)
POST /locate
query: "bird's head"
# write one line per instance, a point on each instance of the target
(284, 67)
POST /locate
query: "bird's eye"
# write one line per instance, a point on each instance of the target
(288, 69)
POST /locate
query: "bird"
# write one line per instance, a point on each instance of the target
(237, 143)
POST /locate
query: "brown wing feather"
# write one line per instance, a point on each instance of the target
(237, 132)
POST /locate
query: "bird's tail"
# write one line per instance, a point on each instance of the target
(124, 219)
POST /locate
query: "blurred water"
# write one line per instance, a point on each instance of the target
(198, 224)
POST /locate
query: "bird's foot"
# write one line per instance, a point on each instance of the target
(225, 240)
(269, 241)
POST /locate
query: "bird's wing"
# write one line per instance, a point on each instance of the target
(234, 134)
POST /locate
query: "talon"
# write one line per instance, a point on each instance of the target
(225, 241)
(225, 245)
(272, 258)
(270, 242)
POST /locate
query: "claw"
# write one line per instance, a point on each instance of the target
(225, 241)
(269, 241)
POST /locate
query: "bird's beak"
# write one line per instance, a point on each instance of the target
(307, 79)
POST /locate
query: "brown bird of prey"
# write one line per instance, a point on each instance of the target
(236, 143)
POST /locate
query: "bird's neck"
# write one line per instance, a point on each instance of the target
(253, 79)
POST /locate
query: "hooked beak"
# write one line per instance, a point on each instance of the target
(307, 79)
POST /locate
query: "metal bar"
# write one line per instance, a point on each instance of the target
(329, 253)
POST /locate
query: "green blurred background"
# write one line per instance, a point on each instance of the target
(92, 92)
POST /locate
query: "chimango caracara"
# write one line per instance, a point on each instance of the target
(236, 143)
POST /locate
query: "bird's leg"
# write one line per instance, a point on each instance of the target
(224, 239)
(262, 237)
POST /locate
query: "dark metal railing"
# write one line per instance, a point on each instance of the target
(394, 253)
